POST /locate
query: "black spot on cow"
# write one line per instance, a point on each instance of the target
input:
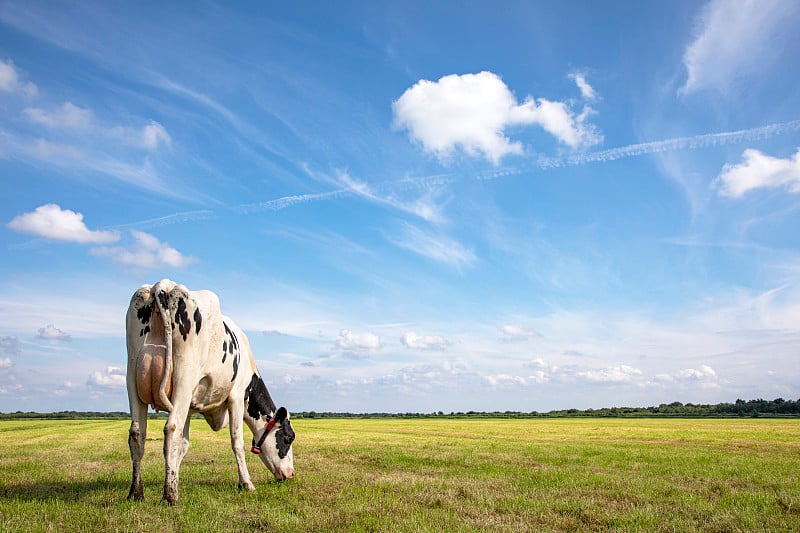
(233, 349)
(182, 317)
(234, 342)
(224, 350)
(144, 331)
(198, 321)
(163, 299)
(144, 313)
(259, 402)
(285, 434)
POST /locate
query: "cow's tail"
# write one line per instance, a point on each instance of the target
(162, 296)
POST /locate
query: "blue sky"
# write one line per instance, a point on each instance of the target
(408, 206)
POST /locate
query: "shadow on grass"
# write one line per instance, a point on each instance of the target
(65, 491)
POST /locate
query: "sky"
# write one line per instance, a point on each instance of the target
(408, 206)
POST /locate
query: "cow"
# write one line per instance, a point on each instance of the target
(185, 357)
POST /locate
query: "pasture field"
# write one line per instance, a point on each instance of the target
(417, 475)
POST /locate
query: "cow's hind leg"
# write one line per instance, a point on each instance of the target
(176, 444)
(136, 439)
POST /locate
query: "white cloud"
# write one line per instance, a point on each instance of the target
(5, 362)
(147, 252)
(424, 342)
(471, 112)
(499, 380)
(52, 222)
(436, 247)
(67, 116)
(54, 151)
(704, 376)
(538, 363)
(703, 372)
(735, 39)
(587, 91)
(10, 82)
(153, 135)
(9, 345)
(518, 333)
(51, 333)
(614, 374)
(357, 342)
(758, 170)
(112, 378)
(10, 389)
(72, 117)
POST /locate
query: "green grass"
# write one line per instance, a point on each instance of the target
(418, 475)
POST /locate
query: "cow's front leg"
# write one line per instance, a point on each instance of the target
(235, 414)
(176, 444)
(136, 439)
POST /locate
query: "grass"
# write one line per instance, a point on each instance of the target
(418, 475)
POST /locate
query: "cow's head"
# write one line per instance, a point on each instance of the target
(274, 445)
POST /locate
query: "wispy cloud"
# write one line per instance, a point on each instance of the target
(11, 82)
(587, 91)
(67, 116)
(735, 39)
(424, 206)
(147, 252)
(9, 346)
(106, 145)
(437, 247)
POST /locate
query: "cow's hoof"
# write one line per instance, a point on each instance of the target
(248, 486)
(136, 492)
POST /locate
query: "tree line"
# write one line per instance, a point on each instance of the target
(740, 408)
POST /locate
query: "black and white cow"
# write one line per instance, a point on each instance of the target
(185, 357)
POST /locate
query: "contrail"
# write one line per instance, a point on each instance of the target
(175, 218)
(287, 201)
(686, 143)
(541, 163)
(635, 150)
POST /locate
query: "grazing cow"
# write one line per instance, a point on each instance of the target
(185, 357)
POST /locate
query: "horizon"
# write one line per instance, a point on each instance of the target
(334, 414)
(526, 207)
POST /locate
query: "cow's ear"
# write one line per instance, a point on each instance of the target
(281, 415)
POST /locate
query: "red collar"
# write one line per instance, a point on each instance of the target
(256, 448)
